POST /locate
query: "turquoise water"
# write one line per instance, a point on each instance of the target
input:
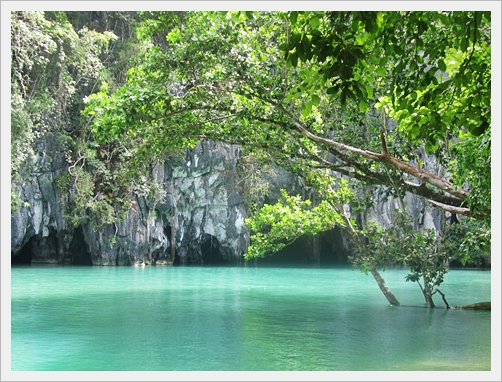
(241, 318)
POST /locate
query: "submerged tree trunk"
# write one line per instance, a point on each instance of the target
(384, 288)
(444, 298)
(376, 275)
(428, 294)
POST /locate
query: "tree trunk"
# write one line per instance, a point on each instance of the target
(424, 176)
(428, 297)
(428, 294)
(376, 275)
(384, 288)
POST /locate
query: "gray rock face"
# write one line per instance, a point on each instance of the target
(38, 228)
(199, 219)
(210, 212)
(202, 214)
(384, 210)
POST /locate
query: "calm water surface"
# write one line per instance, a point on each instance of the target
(241, 318)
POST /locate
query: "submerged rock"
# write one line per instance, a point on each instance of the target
(487, 305)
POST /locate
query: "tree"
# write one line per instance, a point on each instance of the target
(52, 65)
(275, 226)
(427, 254)
(58, 59)
(226, 73)
(313, 91)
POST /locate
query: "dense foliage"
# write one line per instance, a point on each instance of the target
(273, 82)
(427, 254)
(57, 61)
(52, 65)
(276, 226)
(313, 90)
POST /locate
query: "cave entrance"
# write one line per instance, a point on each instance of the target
(80, 254)
(298, 253)
(24, 256)
(333, 247)
(211, 250)
(326, 249)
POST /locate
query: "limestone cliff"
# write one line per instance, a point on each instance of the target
(39, 232)
(202, 214)
(199, 220)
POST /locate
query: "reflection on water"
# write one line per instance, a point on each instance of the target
(241, 318)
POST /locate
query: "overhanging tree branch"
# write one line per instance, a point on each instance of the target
(423, 175)
(452, 209)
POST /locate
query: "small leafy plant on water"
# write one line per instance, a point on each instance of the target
(402, 245)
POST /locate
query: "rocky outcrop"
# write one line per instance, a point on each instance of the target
(384, 211)
(207, 208)
(38, 227)
(199, 219)
(202, 215)
(385, 205)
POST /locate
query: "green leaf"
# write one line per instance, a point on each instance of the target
(442, 65)
(314, 22)
(479, 129)
(315, 99)
(415, 131)
(363, 105)
(379, 19)
(294, 59)
(307, 109)
(346, 72)
(284, 46)
(235, 16)
(464, 43)
(332, 90)
(293, 17)
(398, 50)
(369, 91)
(381, 71)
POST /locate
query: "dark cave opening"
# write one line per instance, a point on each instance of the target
(332, 248)
(49, 250)
(24, 256)
(296, 253)
(78, 248)
(302, 251)
(211, 251)
(168, 232)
